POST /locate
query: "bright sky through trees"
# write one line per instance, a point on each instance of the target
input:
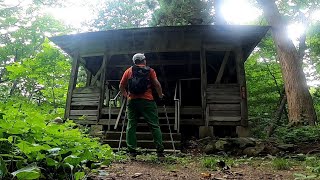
(234, 11)
(239, 11)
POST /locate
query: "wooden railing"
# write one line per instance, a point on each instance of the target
(176, 110)
(112, 100)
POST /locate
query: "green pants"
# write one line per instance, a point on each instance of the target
(148, 109)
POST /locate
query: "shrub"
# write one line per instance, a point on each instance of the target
(298, 134)
(33, 146)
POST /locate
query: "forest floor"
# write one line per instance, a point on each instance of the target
(194, 171)
(204, 167)
(194, 165)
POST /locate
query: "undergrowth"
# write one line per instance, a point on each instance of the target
(298, 134)
(32, 146)
(281, 164)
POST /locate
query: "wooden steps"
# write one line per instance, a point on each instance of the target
(144, 136)
(147, 144)
(139, 135)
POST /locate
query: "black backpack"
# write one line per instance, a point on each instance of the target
(140, 80)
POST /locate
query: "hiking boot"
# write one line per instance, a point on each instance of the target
(132, 155)
(161, 156)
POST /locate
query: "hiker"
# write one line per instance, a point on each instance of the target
(139, 80)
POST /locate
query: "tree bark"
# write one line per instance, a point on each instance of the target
(278, 115)
(300, 104)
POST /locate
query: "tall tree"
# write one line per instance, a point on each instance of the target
(44, 76)
(182, 12)
(22, 33)
(120, 14)
(300, 104)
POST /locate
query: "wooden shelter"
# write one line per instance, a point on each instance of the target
(201, 69)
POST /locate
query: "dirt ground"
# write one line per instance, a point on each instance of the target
(193, 170)
(191, 166)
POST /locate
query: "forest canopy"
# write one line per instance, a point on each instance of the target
(34, 72)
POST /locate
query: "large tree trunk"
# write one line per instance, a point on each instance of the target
(299, 100)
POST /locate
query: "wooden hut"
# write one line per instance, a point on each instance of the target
(201, 69)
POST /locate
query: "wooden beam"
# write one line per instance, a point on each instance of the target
(124, 102)
(218, 47)
(103, 83)
(89, 78)
(203, 83)
(83, 62)
(212, 67)
(160, 63)
(163, 74)
(72, 83)
(96, 77)
(222, 67)
(241, 76)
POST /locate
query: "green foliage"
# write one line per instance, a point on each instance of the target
(32, 172)
(45, 76)
(281, 164)
(3, 168)
(299, 176)
(210, 163)
(264, 84)
(120, 14)
(312, 164)
(23, 31)
(298, 134)
(313, 41)
(182, 12)
(28, 135)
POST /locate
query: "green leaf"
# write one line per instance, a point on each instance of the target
(25, 147)
(79, 175)
(3, 168)
(54, 150)
(69, 165)
(73, 160)
(51, 162)
(10, 139)
(40, 156)
(32, 172)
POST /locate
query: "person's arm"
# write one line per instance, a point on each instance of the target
(123, 90)
(156, 84)
(123, 84)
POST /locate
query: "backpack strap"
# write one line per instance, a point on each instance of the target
(145, 69)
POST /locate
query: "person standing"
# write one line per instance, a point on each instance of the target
(136, 84)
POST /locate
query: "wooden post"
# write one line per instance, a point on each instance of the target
(103, 83)
(203, 83)
(222, 67)
(89, 77)
(180, 92)
(72, 83)
(241, 76)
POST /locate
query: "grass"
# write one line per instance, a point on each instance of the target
(281, 164)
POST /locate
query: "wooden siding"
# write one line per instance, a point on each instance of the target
(223, 103)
